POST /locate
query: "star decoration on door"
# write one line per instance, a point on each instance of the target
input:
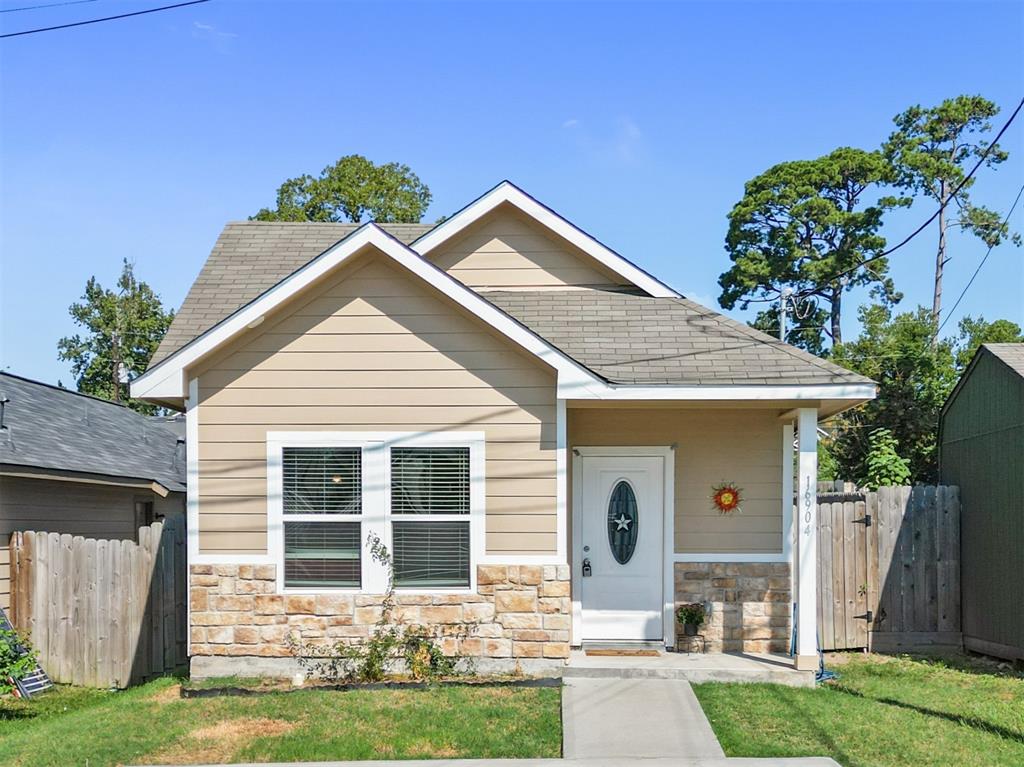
(622, 522)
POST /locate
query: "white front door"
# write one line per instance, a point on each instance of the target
(620, 547)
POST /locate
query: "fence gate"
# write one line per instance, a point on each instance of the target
(888, 568)
(102, 613)
(847, 568)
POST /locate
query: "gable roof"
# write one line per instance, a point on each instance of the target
(630, 339)
(507, 193)
(1011, 355)
(679, 350)
(47, 427)
(165, 381)
(249, 258)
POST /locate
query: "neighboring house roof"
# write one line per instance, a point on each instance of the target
(249, 258)
(46, 427)
(1011, 354)
(632, 339)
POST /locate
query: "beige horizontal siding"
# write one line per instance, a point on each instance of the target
(505, 250)
(375, 350)
(740, 446)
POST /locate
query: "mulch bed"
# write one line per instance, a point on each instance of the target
(287, 687)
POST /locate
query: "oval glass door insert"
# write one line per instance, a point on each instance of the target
(623, 521)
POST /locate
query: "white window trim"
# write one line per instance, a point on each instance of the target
(376, 514)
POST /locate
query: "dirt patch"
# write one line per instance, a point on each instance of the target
(219, 742)
(166, 695)
(424, 749)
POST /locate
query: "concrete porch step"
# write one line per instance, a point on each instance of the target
(690, 667)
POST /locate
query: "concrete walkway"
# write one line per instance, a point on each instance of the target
(618, 762)
(603, 718)
(691, 667)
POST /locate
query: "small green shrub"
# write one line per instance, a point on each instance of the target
(389, 643)
(883, 466)
(692, 613)
(17, 660)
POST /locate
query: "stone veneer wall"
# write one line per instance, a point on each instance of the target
(751, 603)
(518, 613)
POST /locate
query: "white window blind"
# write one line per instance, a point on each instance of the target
(430, 480)
(322, 480)
(322, 498)
(430, 554)
(322, 554)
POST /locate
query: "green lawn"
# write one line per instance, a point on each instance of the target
(152, 724)
(881, 712)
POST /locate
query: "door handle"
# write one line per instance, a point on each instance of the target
(587, 571)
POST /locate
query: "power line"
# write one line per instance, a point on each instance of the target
(922, 227)
(48, 5)
(983, 260)
(105, 18)
(942, 206)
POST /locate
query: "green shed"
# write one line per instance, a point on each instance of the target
(981, 449)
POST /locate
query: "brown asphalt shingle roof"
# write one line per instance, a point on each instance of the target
(248, 259)
(634, 339)
(624, 338)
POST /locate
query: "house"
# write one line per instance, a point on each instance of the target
(72, 463)
(981, 450)
(531, 423)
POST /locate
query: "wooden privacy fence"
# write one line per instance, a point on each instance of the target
(889, 568)
(102, 613)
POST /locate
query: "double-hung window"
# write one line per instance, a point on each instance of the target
(321, 505)
(422, 495)
(430, 527)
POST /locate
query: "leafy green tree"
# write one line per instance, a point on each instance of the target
(932, 150)
(975, 332)
(352, 189)
(828, 466)
(800, 224)
(883, 465)
(914, 378)
(123, 329)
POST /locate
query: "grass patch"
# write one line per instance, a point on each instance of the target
(882, 712)
(152, 724)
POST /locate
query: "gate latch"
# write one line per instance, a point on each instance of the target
(868, 616)
(865, 520)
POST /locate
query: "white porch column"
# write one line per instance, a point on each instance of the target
(807, 540)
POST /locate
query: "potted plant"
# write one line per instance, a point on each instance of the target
(690, 616)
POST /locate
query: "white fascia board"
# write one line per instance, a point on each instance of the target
(167, 379)
(507, 192)
(604, 391)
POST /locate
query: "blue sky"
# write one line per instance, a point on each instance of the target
(639, 122)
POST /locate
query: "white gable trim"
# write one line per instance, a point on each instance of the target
(507, 192)
(167, 380)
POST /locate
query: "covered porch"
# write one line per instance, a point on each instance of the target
(645, 535)
(693, 667)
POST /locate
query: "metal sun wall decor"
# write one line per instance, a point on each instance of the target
(727, 498)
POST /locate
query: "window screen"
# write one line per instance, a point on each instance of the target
(430, 480)
(322, 480)
(430, 554)
(323, 554)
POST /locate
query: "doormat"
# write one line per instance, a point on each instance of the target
(623, 651)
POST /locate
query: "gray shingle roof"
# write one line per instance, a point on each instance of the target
(1011, 354)
(634, 339)
(625, 338)
(249, 258)
(52, 428)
